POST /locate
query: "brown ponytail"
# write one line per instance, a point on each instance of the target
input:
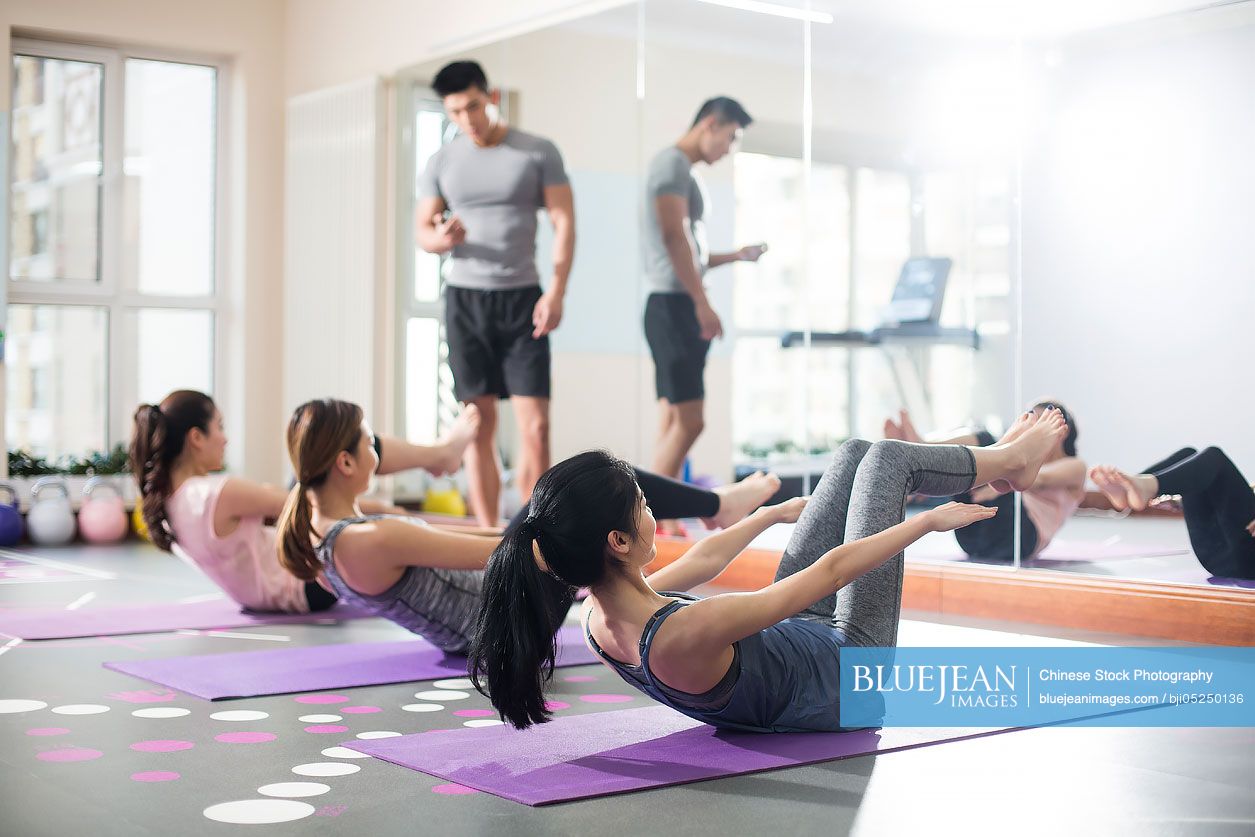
(156, 442)
(317, 433)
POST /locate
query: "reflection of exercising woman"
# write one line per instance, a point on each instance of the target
(764, 661)
(1218, 503)
(1054, 496)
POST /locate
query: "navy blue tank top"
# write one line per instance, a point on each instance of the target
(785, 678)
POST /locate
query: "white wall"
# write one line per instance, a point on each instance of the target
(250, 35)
(1139, 258)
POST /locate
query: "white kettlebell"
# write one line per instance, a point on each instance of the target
(50, 520)
(102, 519)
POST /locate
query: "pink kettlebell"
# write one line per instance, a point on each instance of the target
(102, 519)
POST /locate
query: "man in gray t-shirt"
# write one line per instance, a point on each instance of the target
(679, 320)
(477, 201)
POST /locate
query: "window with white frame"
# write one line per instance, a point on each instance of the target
(114, 296)
(834, 273)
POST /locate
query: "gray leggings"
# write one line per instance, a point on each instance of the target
(864, 492)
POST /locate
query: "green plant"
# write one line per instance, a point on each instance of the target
(98, 463)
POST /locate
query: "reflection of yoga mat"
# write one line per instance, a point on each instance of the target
(317, 667)
(152, 618)
(602, 753)
(941, 546)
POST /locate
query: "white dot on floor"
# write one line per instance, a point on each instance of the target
(319, 719)
(258, 811)
(325, 768)
(294, 790)
(240, 715)
(442, 694)
(378, 733)
(454, 683)
(483, 722)
(343, 753)
(161, 712)
(14, 705)
(80, 709)
(422, 707)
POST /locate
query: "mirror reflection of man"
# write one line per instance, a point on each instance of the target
(680, 322)
(478, 201)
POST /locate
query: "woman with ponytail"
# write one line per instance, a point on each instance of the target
(218, 522)
(424, 578)
(765, 661)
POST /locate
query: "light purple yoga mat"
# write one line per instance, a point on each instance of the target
(318, 667)
(153, 618)
(603, 753)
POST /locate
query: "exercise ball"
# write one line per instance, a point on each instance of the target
(137, 522)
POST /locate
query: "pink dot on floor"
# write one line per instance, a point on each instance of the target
(321, 699)
(69, 754)
(474, 713)
(162, 745)
(451, 789)
(322, 728)
(359, 710)
(155, 776)
(245, 737)
(605, 698)
(555, 705)
(580, 678)
(47, 731)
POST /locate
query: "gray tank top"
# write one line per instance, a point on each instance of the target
(437, 604)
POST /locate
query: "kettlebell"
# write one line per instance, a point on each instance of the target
(443, 497)
(50, 520)
(138, 524)
(102, 519)
(10, 518)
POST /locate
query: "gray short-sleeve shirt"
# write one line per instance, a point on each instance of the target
(496, 191)
(671, 173)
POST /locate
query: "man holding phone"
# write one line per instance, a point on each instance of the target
(679, 320)
(478, 201)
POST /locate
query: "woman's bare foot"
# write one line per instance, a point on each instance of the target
(892, 430)
(1022, 422)
(740, 498)
(1029, 450)
(451, 446)
(907, 428)
(1125, 491)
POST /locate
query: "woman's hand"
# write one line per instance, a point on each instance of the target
(1250, 527)
(957, 515)
(790, 510)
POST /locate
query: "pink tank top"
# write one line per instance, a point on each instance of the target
(245, 563)
(1049, 509)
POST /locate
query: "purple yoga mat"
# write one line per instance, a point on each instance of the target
(317, 667)
(153, 618)
(603, 753)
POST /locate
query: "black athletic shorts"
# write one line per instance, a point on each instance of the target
(491, 349)
(675, 341)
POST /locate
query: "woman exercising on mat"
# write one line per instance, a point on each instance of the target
(764, 661)
(1047, 504)
(217, 522)
(425, 579)
(1217, 501)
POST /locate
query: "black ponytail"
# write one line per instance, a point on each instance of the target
(532, 576)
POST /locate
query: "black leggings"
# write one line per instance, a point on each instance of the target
(668, 499)
(1218, 505)
(318, 597)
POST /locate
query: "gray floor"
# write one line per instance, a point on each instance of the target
(1042, 781)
